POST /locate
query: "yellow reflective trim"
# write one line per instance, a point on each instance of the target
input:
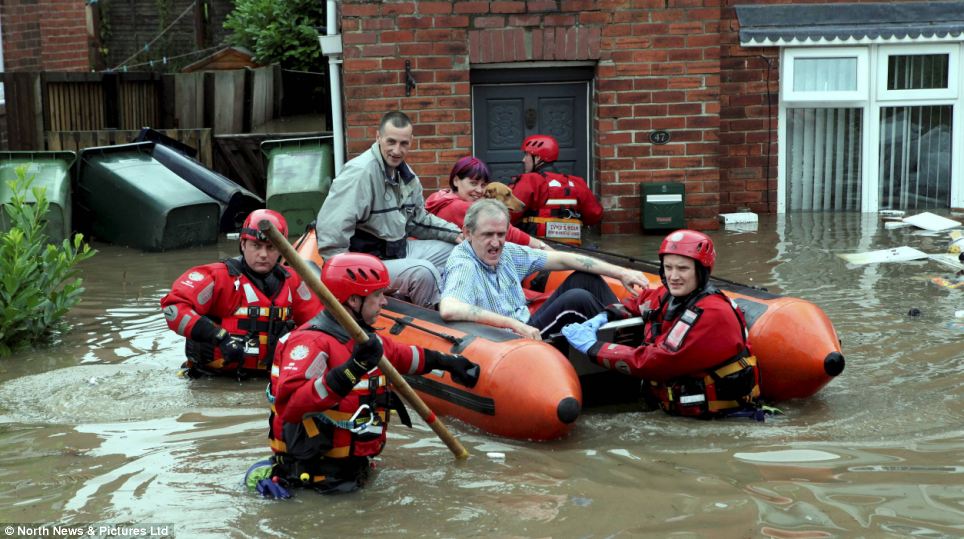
(310, 428)
(550, 220)
(279, 446)
(338, 452)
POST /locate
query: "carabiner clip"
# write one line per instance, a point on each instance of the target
(356, 428)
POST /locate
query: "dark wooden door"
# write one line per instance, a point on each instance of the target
(505, 114)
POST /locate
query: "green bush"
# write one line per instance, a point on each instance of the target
(279, 32)
(38, 281)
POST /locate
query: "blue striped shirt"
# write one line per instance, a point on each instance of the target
(497, 289)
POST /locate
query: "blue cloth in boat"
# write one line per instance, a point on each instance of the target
(497, 289)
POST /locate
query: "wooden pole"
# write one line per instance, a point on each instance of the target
(358, 335)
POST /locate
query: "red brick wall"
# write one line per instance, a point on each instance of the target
(747, 180)
(658, 67)
(660, 64)
(49, 35)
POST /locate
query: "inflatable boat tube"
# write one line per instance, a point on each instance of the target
(530, 390)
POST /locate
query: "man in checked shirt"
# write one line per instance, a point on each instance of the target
(483, 279)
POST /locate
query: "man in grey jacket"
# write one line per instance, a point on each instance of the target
(376, 204)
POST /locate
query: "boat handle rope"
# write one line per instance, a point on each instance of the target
(407, 322)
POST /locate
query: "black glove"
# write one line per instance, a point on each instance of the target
(364, 357)
(369, 352)
(463, 371)
(231, 346)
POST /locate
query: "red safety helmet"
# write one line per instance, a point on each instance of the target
(691, 244)
(348, 274)
(250, 230)
(544, 147)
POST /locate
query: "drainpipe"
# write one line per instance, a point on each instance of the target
(331, 47)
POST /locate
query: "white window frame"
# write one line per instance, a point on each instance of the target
(884, 52)
(875, 65)
(798, 98)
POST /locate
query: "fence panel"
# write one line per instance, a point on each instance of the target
(199, 139)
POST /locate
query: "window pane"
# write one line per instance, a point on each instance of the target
(915, 157)
(917, 72)
(825, 74)
(823, 159)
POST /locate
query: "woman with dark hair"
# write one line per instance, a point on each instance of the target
(467, 183)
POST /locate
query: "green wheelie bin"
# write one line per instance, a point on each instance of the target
(299, 174)
(127, 197)
(50, 170)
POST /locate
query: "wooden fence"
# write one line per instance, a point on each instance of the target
(227, 102)
(199, 139)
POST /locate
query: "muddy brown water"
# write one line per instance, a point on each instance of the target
(98, 429)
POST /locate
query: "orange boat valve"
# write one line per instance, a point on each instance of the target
(833, 364)
(568, 410)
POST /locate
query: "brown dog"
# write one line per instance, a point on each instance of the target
(502, 193)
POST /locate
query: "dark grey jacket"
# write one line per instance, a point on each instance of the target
(362, 197)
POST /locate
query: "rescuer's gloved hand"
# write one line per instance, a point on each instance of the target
(368, 353)
(580, 336)
(463, 371)
(364, 358)
(597, 321)
(231, 346)
(270, 489)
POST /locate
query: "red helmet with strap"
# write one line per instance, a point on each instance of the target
(348, 274)
(544, 147)
(250, 230)
(691, 244)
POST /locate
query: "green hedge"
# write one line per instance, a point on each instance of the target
(38, 280)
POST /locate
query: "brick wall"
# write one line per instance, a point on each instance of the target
(44, 35)
(748, 121)
(658, 67)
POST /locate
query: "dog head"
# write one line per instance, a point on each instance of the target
(502, 193)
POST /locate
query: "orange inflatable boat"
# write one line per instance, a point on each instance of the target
(529, 390)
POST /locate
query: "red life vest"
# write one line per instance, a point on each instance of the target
(730, 386)
(558, 218)
(324, 441)
(260, 320)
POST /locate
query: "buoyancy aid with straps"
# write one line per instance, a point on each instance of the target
(261, 318)
(559, 216)
(731, 386)
(326, 445)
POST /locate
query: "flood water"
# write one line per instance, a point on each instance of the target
(99, 429)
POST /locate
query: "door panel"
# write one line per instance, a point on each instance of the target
(505, 114)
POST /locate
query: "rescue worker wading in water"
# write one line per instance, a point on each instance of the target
(694, 356)
(556, 205)
(233, 312)
(331, 403)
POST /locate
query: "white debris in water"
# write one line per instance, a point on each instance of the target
(721, 505)
(92, 381)
(623, 453)
(959, 314)
(495, 455)
(789, 455)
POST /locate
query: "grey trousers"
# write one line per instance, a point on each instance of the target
(417, 278)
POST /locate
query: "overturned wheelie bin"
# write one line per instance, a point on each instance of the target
(236, 202)
(127, 197)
